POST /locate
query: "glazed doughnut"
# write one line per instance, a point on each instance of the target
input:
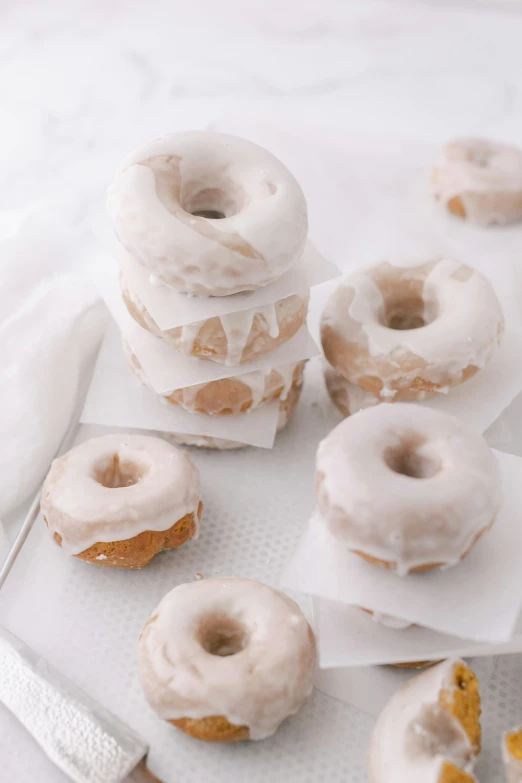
(408, 332)
(230, 339)
(118, 500)
(286, 411)
(407, 487)
(480, 181)
(347, 397)
(208, 214)
(226, 659)
(229, 396)
(512, 755)
(429, 732)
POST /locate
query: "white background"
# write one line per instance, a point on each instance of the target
(83, 83)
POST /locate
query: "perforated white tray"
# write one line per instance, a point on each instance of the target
(86, 621)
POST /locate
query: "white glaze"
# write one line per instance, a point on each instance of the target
(203, 441)
(512, 766)
(84, 512)
(397, 518)
(487, 177)
(237, 327)
(258, 687)
(286, 373)
(415, 736)
(346, 396)
(189, 335)
(390, 622)
(464, 324)
(257, 383)
(263, 231)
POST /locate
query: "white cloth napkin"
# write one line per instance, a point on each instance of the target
(50, 325)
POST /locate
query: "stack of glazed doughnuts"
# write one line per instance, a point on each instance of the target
(211, 215)
(394, 332)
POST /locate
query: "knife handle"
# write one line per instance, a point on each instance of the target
(142, 774)
(78, 734)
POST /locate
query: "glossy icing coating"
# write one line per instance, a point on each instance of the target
(230, 647)
(208, 214)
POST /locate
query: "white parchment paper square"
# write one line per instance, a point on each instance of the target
(168, 369)
(117, 399)
(347, 636)
(478, 599)
(480, 401)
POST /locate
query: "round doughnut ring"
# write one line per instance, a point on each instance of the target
(235, 338)
(226, 659)
(408, 332)
(208, 214)
(407, 487)
(118, 500)
(480, 181)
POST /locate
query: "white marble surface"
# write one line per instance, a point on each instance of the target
(83, 83)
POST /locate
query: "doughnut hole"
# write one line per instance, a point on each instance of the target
(480, 158)
(222, 635)
(402, 290)
(404, 314)
(200, 192)
(113, 473)
(407, 459)
(213, 203)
